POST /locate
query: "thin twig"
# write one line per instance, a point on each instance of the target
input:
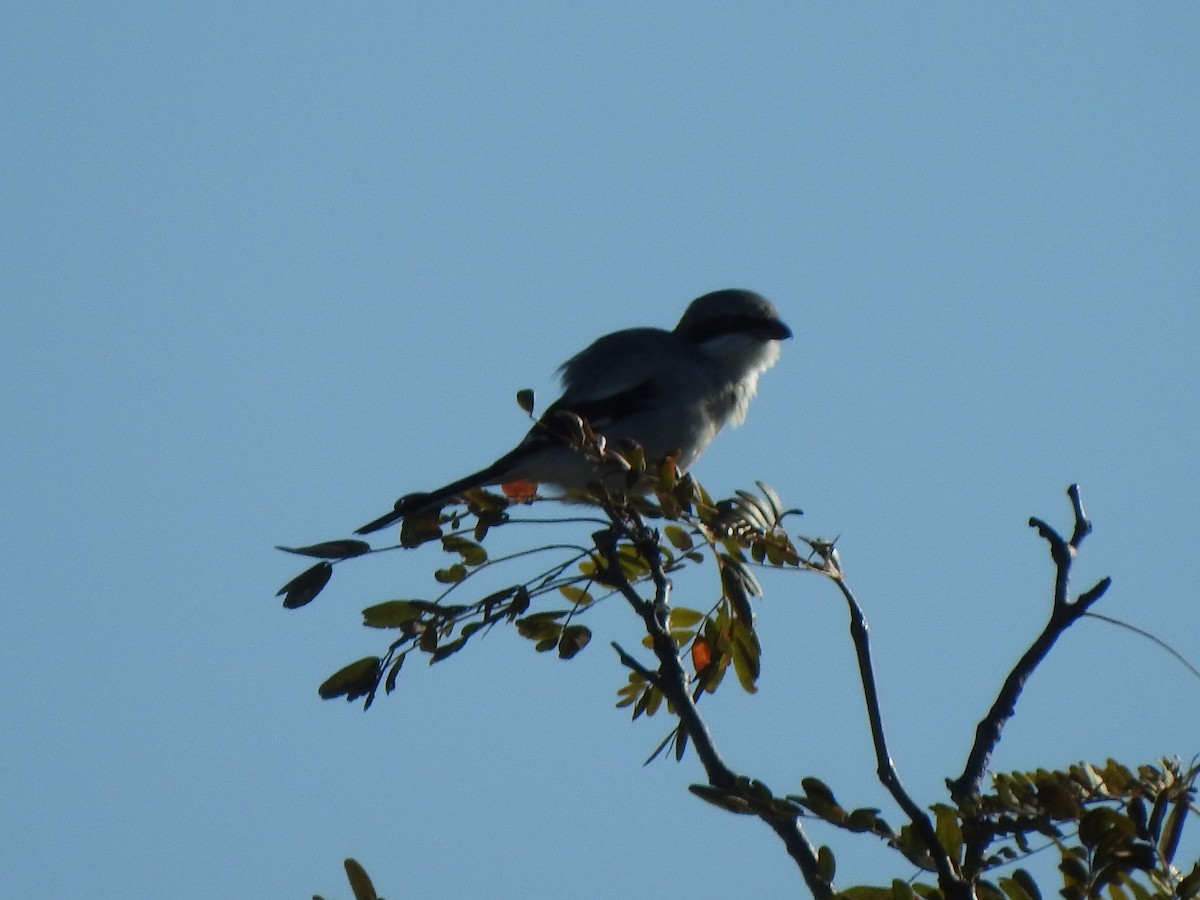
(952, 883)
(1183, 660)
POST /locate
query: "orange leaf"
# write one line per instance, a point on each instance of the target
(520, 491)
(701, 654)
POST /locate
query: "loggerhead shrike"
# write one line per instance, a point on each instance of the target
(666, 390)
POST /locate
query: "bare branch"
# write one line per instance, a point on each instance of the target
(1083, 525)
(634, 666)
(951, 881)
(1064, 613)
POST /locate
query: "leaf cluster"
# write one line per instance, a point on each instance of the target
(1116, 831)
(547, 606)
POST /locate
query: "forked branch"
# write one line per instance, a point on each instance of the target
(1063, 614)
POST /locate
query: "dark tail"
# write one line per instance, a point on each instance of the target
(415, 503)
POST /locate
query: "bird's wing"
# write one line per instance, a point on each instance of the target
(621, 376)
(616, 364)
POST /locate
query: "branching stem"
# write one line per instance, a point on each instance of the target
(952, 883)
(1063, 614)
(672, 679)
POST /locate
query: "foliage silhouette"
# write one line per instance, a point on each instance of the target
(1116, 829)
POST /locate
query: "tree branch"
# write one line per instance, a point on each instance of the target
(672, 679)
(952, 883)
(1063, 614)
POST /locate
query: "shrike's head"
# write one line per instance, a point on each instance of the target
(739, 330)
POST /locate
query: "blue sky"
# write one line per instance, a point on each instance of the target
(267, 267)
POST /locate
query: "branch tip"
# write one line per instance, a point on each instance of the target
(1083, 526)
(1092, 594)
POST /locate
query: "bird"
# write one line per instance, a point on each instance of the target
(669, 391)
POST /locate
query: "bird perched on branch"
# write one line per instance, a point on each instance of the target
(669, 391)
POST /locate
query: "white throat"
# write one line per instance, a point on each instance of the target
(739, 360)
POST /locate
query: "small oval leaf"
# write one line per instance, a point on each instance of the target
(574, 638)
(390, 684)
(451, 575)
(682, 617)
(576, 594)
(330, 549)
(359, 882)
(305, 586)
(353, 681)
(391, 614)
(826, 864)
(678, 537)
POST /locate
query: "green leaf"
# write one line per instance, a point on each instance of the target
(818, 791)
(772, 498)
(496, 596)
(1058, 800)
(359, 882)
(678, 537)
(525, 399)
(1190, 886)
(428, 640)
(331, 549)
(541, 626)
(451, 575)
(390, 684)
(486, 519)
(1074, 869)
(1099, 823)
(629, 692)
(353, 681)
(721, 799)
(472, 553)
(1173, 828)
(447, 649)
(390, 614)
(576, 594)
(305, 586)
(574, 638)
(681, 742)
(682, 617)
(1138, 890)
(1136, 810)
(520, 603)
(712, 676)
(949, 831)
(861, 820)
(1027, 884)
(1014, 890)
(826, 864)
(471, 627)
(420, 528)
(633, 566)
(754, 511)
(737, 586)
(648, 702)
(745, 670)
(745, 652)
(901, 890)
